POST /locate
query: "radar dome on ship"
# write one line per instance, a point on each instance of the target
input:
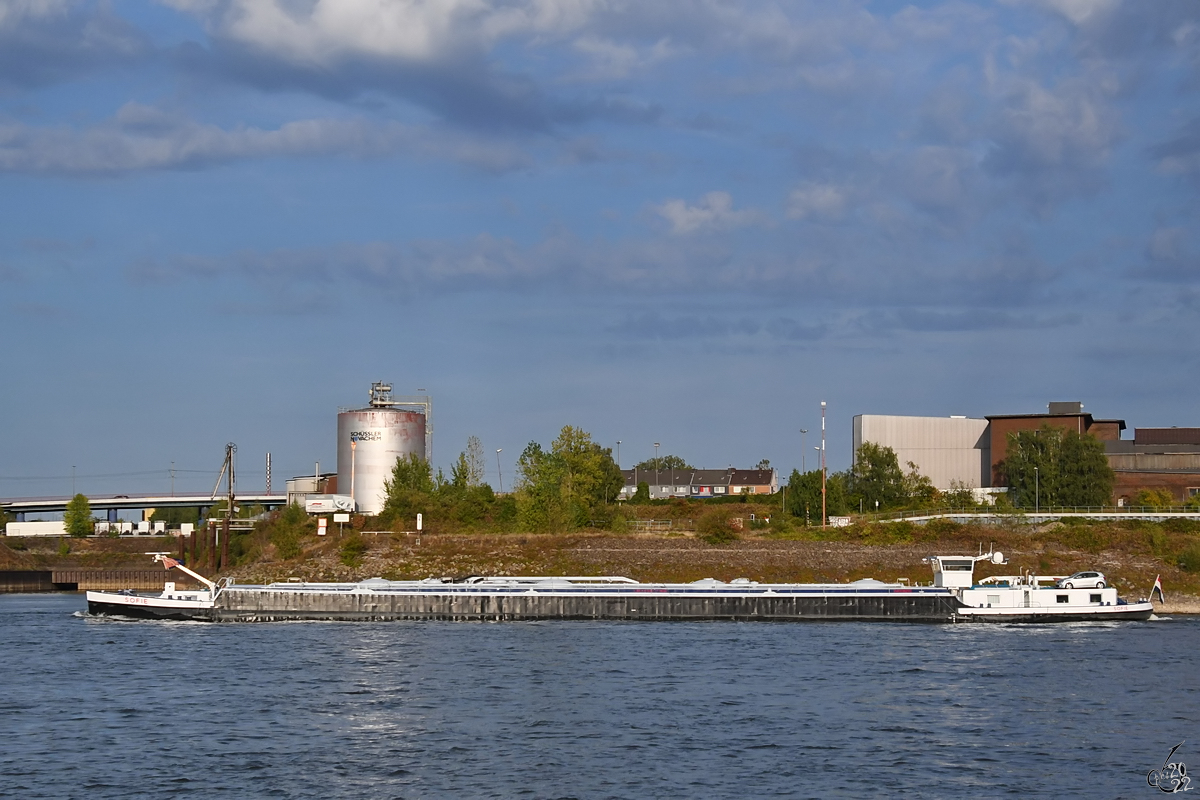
(370, 439)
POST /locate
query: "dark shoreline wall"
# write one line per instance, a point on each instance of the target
(75, 580)
(27, 580)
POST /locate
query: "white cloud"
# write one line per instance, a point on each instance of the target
(1079, 11)
(825, 201)
(140, 137)
(323, 31)
(1059, 137)
(13, 11)
(615, 60)
(714, 212)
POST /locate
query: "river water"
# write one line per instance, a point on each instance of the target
(104, 708)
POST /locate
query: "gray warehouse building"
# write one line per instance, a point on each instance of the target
(945, 449)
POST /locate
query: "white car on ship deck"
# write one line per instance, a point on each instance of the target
(1083, 580)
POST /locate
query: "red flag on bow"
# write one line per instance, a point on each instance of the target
(169, 562)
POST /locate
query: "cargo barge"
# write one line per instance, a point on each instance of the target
(952, 597)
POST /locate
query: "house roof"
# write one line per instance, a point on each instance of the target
(751, 477)
(701, 477)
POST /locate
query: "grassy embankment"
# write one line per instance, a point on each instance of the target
(1129, 552)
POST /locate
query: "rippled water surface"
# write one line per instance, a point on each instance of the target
(103, 708)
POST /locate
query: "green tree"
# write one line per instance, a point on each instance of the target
(804, 495)
(1154, 498)
(77, 521)
(876, 476)
(409, 490)
(591, 477)
(460, 473)
(1056, 467)
(566, 486)
(664, 463)
(1085, 476)
(466, 498)
(475, 461)
(539, 502)
(959, 495)
(837, 494)
(641, 494)
(919, 491)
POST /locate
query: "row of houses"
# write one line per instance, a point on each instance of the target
(700, 482)
(969, 451)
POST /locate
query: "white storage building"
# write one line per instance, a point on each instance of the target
(945, 449)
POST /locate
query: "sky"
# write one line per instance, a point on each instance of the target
(687, 222)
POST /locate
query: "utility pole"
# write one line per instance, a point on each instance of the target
(230, 449)
(824, 518)
(498, 470)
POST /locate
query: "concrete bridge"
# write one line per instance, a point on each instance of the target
(19, 507)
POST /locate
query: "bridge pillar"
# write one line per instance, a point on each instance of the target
(20, 516)
(112, 515)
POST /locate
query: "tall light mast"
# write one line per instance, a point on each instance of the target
(823, 512)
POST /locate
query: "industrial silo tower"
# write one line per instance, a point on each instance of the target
(369, 440)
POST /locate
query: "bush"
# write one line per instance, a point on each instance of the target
(1181, 525)
(941, 527)
(353, 549)
(782, 524)
(714, 527)
(287, 542)
(287, 531)
(1189, 559)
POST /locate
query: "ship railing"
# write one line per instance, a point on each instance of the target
(542, 579)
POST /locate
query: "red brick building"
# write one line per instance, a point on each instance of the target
(1068, 416)
(1156, 458)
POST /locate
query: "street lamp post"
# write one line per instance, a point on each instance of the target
(656, 483)
(1037, 492)
(803, 449)
(618, 453)
(498, 470)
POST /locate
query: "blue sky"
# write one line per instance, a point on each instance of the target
(685, 221)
